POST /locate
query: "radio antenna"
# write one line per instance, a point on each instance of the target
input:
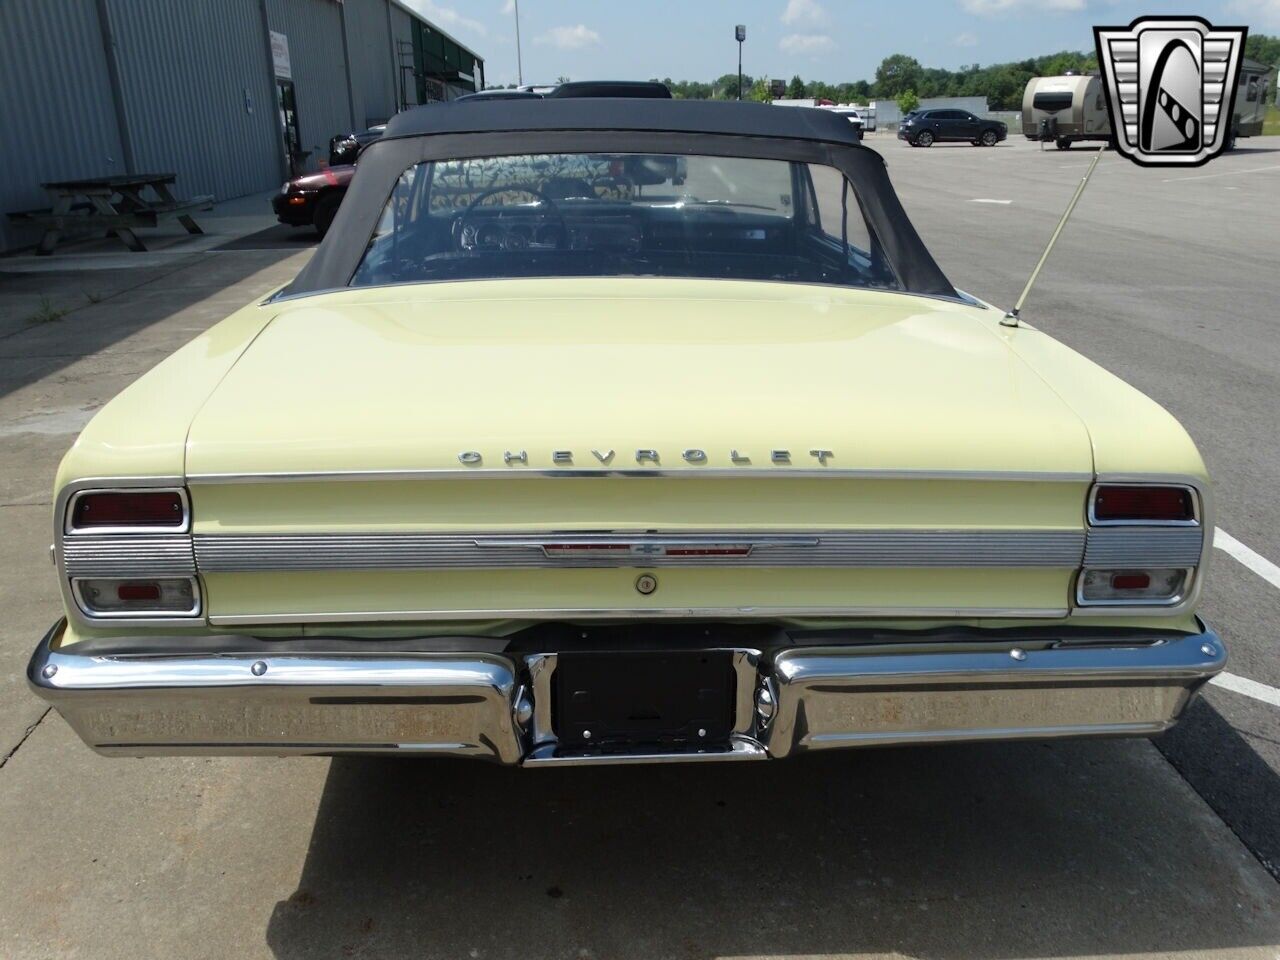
(1010, 319)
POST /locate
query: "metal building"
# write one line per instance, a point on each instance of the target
(230, 95)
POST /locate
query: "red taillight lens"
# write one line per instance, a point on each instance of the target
(1130, 581)
(1115, 502)
(135, 592)
(144, 509)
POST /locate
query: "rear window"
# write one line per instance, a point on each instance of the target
(624, 214)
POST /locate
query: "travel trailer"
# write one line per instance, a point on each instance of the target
(1067, 109)
(1254, 93)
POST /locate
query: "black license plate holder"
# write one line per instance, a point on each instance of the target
(676, 700)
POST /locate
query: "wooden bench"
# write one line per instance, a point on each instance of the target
(114, 205)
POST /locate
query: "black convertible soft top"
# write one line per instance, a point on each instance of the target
(449, 131)
(726, 117)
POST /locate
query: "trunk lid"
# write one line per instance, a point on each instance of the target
(929, 421)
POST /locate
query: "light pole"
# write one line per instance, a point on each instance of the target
(740, 34)
(519, 60)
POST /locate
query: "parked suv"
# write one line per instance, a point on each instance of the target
(924, 128)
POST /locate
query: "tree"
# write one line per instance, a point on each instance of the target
(759, 91)
(726, 86)
(908, 101)
(795, 89)
(1262, 48)
(897, 73)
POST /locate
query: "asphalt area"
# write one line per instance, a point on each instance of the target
(1061, 849)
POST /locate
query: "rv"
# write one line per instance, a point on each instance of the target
(1254, 93)
(1071, 108)
(1066, 110)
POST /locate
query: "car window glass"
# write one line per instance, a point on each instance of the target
(602, 214)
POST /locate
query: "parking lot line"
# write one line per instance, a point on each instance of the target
(1259, 564)
(1250, 688)
(1224, 173)
(988, 200)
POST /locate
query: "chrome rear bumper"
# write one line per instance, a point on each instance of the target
(275, 699)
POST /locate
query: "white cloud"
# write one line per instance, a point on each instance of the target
(569, 38)
(509, 8)
(992, 8)
(804, 11)
(1264, 13)
(805, 44)
(966, 38)
(447, 17)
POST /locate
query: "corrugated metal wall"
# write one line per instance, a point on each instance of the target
(196, 94)
(198, 101)
(314, 29)
(55, 103)
(402, 35)
(372, 71)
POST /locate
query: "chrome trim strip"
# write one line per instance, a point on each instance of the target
(119, 557)
(219, 553)
(1171, 546)
(686, 473)
(624, 613)
(962, 298)
(740, 748)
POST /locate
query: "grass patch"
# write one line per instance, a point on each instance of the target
(47, 313)
(1271, 125)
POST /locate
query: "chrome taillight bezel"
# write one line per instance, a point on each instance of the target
(1196, 508)
(1187, 585)
(87, 610)
(68, 511)
(181, 534)
(1202, 508)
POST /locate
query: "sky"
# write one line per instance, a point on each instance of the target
(831, 40)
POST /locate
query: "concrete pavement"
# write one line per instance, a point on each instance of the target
(1099, 848)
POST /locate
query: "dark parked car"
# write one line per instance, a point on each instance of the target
(924, 128)
(312, 200)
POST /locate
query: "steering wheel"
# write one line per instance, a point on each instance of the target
(464, 220)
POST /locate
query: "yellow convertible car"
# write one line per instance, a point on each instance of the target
(617, 431)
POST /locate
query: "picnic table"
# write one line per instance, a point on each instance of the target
(116, 205)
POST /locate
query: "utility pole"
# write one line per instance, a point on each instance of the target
(519, 59)
(740, 34)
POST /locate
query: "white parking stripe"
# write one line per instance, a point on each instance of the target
(1224, 173)
(987, 200)
(1259, 564)
(1250, 688)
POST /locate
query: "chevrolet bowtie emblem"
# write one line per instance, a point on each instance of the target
(1171, 84)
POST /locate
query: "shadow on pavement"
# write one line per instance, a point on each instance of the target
(274, 238)
(1229, 774)
(1065, 849)
(49, 320)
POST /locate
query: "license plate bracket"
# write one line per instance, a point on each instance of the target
(624, 700)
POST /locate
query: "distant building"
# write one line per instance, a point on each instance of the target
(227, 94)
